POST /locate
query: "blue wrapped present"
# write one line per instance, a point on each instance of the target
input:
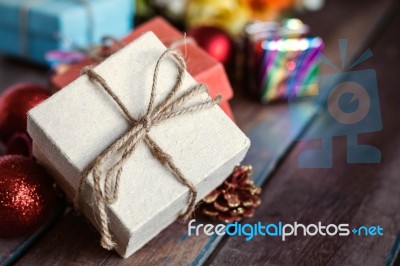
(30, 28)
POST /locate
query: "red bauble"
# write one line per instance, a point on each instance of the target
(21, 144)
(215, 41)
(27, 198)
(15, 103)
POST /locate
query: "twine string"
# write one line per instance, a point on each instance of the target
(99, 53)
(170, 107)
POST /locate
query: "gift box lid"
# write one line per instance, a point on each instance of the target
(200, 65)
(65, 17)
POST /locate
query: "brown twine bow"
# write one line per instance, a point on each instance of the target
(168, 108)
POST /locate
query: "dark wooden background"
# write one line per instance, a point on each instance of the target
(358, 194)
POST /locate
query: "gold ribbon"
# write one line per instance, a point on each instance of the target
(170, 107)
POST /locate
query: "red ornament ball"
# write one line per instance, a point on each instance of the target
(215, 41)
(15, 103)
(21, 144)
(27, 198)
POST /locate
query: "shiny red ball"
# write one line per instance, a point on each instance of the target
(15, 103)
(215, 41)
(20, 144)
(27, 198)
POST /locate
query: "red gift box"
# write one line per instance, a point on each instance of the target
(200, 65)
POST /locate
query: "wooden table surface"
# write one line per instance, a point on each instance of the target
(358, 194)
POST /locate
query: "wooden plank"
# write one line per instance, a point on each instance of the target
(350, 28)
(393, 257)
(63, 245)
(357, 194)
(170, 247)
(12, 249)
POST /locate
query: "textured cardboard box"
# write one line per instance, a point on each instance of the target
(75, 125)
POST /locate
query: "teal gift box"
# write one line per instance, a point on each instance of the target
(30, 28)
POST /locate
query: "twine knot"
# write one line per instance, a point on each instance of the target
(147, 123)
(106, 192)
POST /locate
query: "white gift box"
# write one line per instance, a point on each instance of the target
(75, 125)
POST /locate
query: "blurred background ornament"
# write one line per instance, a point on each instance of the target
(232, 16)
(174, 10)
(268, 9)
(228, 15)
(235, 199)
(15, 103)
(27, 198)
(20, 144)
(312, 5)
(214, 41)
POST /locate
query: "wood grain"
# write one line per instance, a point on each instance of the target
(12, 249)
(357, 194)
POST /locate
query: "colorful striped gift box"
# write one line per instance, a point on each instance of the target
(281, 62)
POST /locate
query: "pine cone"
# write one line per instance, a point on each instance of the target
(235, 199)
